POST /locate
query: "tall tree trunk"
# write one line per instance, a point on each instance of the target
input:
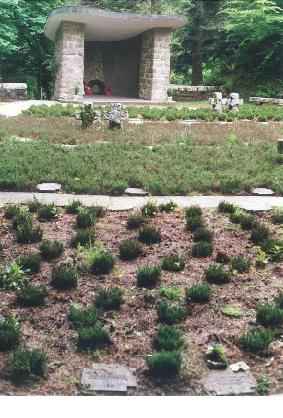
(155, 6)
(197, 73)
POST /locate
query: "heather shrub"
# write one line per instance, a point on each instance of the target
(109, 299)
(30, 263)
(165, 364)
(93, 338)
(26, 234)
(259, 234)
(173, 263)
(203, 234)
(170, 313)
(10, 211)
(269, 315)
(168, 207)
(26, 364)
(84, 238)
(149, 235)
(31, 296)
(10, 331)
(47, 212)
(130, 250)
(198, 293)
(64, 277)
(148, 276)
(83, 317)
(102, 262)
(216, 274)
(241, 264)
(202, 249)
(226, 207)
(168, 338)
(149, 210)
(257, 341)
(51, 249)
(135, 221)
(86, 218)
(74, 207)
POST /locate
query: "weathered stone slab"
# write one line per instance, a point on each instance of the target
(49, 187)
(261, 191)
(108, 378)
(135, 192)
(228, 383)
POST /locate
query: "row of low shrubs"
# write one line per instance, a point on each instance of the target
(91, 333)
(260, 234)
(250, 112)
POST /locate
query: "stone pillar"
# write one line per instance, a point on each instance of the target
(69, 55)
(155, 65)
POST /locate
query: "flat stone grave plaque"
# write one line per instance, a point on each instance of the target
(135, 192)
(49, 187)
(107, 378)
(261, 191)
(228, 383)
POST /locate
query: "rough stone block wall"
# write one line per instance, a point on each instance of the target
(115, 63)
(13, 91)
(93, 62)
(69, 53)
(155, 65)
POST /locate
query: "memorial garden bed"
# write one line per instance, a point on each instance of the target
(174, 169)
(206, 297)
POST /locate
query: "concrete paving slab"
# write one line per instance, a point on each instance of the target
(121, 203)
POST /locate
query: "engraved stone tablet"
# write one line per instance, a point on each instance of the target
(107, 378)
(228, 383)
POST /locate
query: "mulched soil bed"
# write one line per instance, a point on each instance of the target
(132, 328)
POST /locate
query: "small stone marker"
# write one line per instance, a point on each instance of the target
(240, 366)
(280, 146)
(261, 191)
(107, 378)
(136, 192)
(228, 383)
(49, 187)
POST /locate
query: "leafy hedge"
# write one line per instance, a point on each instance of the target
(172, 113)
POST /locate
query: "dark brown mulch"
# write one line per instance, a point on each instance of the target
(132, 329)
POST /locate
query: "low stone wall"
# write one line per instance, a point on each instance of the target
(13, 91)
(188, 93)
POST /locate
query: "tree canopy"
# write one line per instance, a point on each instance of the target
(236, 43)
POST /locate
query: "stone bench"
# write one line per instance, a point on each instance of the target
(13, 91)
(184, 93)
(262, 100)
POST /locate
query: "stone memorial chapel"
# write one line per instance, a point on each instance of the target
(103, 53)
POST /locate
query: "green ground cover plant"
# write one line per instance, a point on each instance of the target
(64, 277)
(173, 263)
(247, 111)
(10, 332)
(165, 364)
(177, 170)
(171, 313)
(31, 296)
(198, 293)
(109, 299)
(25, 364)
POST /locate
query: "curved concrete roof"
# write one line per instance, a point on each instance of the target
(103, 25)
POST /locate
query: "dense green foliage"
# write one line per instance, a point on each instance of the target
(237, 43)
(172, 170)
